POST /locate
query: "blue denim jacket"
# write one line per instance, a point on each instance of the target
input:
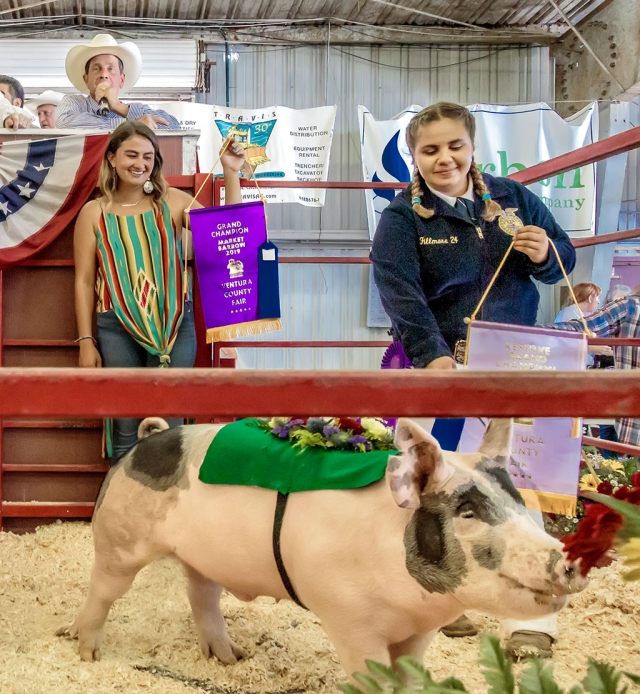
(432, 272)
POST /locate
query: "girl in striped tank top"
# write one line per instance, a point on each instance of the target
(128, 251)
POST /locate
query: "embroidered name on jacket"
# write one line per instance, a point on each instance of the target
(427, 241)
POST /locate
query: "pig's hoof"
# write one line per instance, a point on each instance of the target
(89, 654)
(227, 653)
(67, 633)
(239, 653)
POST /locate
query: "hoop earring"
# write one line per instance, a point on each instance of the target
(148, 187)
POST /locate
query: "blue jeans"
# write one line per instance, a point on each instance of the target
(118, 349)
(608, 433)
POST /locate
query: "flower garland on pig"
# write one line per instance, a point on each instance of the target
(339, 433)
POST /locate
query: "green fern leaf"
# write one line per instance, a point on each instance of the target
(384, 674)
(349, 689)
(453, 684)
(497, 668)
(370, 684)
(414, 669)
(601, 678)
(538, 679)
(634, 678)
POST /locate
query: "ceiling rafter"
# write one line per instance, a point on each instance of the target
(488, 17)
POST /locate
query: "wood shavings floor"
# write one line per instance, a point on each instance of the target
(150, 644)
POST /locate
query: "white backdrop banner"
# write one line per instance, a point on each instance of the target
(508, 139)
(281, 143)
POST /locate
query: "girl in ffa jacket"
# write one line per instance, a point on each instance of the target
(439, 243)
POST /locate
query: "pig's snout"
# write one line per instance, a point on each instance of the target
(565, 574)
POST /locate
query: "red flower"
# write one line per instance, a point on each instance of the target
(635, 480)
(631, 496)
(352, 424)
(594, 536)
(605, 488)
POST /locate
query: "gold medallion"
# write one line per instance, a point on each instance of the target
(509, 222)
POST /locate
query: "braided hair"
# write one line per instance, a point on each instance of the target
(455, 112)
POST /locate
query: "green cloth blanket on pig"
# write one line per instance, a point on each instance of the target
(243, 453)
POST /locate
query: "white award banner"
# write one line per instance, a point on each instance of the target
(508, 139)
(281, 143)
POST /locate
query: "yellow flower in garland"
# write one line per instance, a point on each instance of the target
(613, 465)
(631, 553)
(588, 483)
(374, 426)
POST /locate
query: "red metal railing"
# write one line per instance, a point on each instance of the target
(614, 446)
(74, 392)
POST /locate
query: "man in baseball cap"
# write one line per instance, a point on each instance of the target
(101, 69)
(44, 107)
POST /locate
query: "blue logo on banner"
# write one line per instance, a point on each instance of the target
(394, 166)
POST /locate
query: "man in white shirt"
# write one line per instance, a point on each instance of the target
(12, 113)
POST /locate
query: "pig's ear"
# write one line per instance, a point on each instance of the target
(419, 464)
(496, 443)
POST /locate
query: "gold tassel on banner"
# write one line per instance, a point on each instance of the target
(231, 332)
(548, 502)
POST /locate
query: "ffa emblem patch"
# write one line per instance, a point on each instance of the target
(509, 222)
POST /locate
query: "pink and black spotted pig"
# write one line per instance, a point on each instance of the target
(383, 566)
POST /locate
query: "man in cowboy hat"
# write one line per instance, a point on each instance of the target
(12, 113)
(101, 69)
(44, 107)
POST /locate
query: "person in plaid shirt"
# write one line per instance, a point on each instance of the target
(619, 318)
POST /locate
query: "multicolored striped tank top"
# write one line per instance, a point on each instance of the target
(140, 276)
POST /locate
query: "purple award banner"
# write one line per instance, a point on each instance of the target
(545, 458)
(227, 242)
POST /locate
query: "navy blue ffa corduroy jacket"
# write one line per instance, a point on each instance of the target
(431, 273)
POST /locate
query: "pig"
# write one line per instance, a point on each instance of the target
(383, 566)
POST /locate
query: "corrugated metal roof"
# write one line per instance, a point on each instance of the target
(156, 14)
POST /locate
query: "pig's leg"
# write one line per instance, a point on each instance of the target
(414, 646)
(107, 584)
(354, 647)
(204, 597)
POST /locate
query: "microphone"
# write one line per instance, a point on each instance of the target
(104, 107)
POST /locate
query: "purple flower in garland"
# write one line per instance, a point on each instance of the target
(283, 431)
(358, 440)
(329, 431)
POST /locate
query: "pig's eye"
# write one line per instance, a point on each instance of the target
(465, 510)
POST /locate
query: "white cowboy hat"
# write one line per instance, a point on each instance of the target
(47, 97)
(103, 44)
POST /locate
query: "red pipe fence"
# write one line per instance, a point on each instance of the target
(412, 393)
